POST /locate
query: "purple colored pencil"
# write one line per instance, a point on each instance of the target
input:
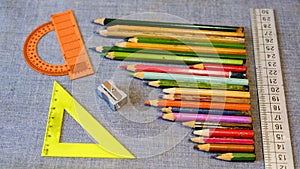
(206, 117)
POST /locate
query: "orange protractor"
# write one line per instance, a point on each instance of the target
(32, 58)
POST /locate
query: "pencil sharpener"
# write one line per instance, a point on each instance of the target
(114, 97)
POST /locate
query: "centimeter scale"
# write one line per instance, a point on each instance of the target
(277, 149)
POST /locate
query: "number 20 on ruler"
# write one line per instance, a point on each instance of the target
(274, 121)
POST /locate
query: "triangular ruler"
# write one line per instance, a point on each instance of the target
(106, 147)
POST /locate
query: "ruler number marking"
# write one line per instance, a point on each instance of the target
(273, 114)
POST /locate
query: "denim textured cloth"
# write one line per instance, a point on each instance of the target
(26, 94)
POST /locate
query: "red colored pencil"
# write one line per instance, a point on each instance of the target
(177, 70)
(221, 140)
(232, 133)
(204, 105)
(219, 67)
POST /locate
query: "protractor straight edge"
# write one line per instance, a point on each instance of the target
(276, 139)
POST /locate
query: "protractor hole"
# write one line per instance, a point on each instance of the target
(49, 50)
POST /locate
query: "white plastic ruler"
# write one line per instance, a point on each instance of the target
(277, 149)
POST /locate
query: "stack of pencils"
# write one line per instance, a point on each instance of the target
(211, 95)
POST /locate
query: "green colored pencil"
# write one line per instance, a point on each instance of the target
(182, 42)
(113, 21)
(169, 58)
(199, 85)
(180, 77)
(236, 157)
(102, 49)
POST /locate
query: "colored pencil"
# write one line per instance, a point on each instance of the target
(232, 133)
(197, 85)
(145, 57)
(103, 49)
(214, 147)
(177, 70)
(176, 31)
(205, 98)
(205, 111)
(207, 92)
(113, 21)
(206, 118)
(183, 48)
(170, 36)
(219, 67)
(221, 140)
(206, 79)
(198, 125)
(185, 42)
(238, 157)
(192, 104)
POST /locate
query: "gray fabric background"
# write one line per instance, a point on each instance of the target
(25, 94)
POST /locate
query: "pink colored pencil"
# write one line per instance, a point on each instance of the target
(177, 70)
(206, 117)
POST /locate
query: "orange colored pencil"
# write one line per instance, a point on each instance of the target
(192, 104)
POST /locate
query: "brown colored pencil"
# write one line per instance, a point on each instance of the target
(169, 36)
(215, 147)
(183, 48)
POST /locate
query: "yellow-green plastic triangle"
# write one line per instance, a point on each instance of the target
(106, 147)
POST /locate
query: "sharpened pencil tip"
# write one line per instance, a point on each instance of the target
(147, 102)
(160, 117)
(96, 32)
(215, 157)
(99, 21)
(131, 74)
(123, 67)
(93, 49)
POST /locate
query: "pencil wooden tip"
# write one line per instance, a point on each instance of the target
(169, 90)
(99, 49)
(102, 32)
(167, 110)
(151, 102)
(168, 97)
(99, 21)
(121, 44)
(190, 124)
(204, 132)
(225, 156)
(139, 75)
(168, 116)
(154, 83)
(203, 147)
(197, 139)
(110, 55)
(131, 68)
(134, 40)
(197, 66)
